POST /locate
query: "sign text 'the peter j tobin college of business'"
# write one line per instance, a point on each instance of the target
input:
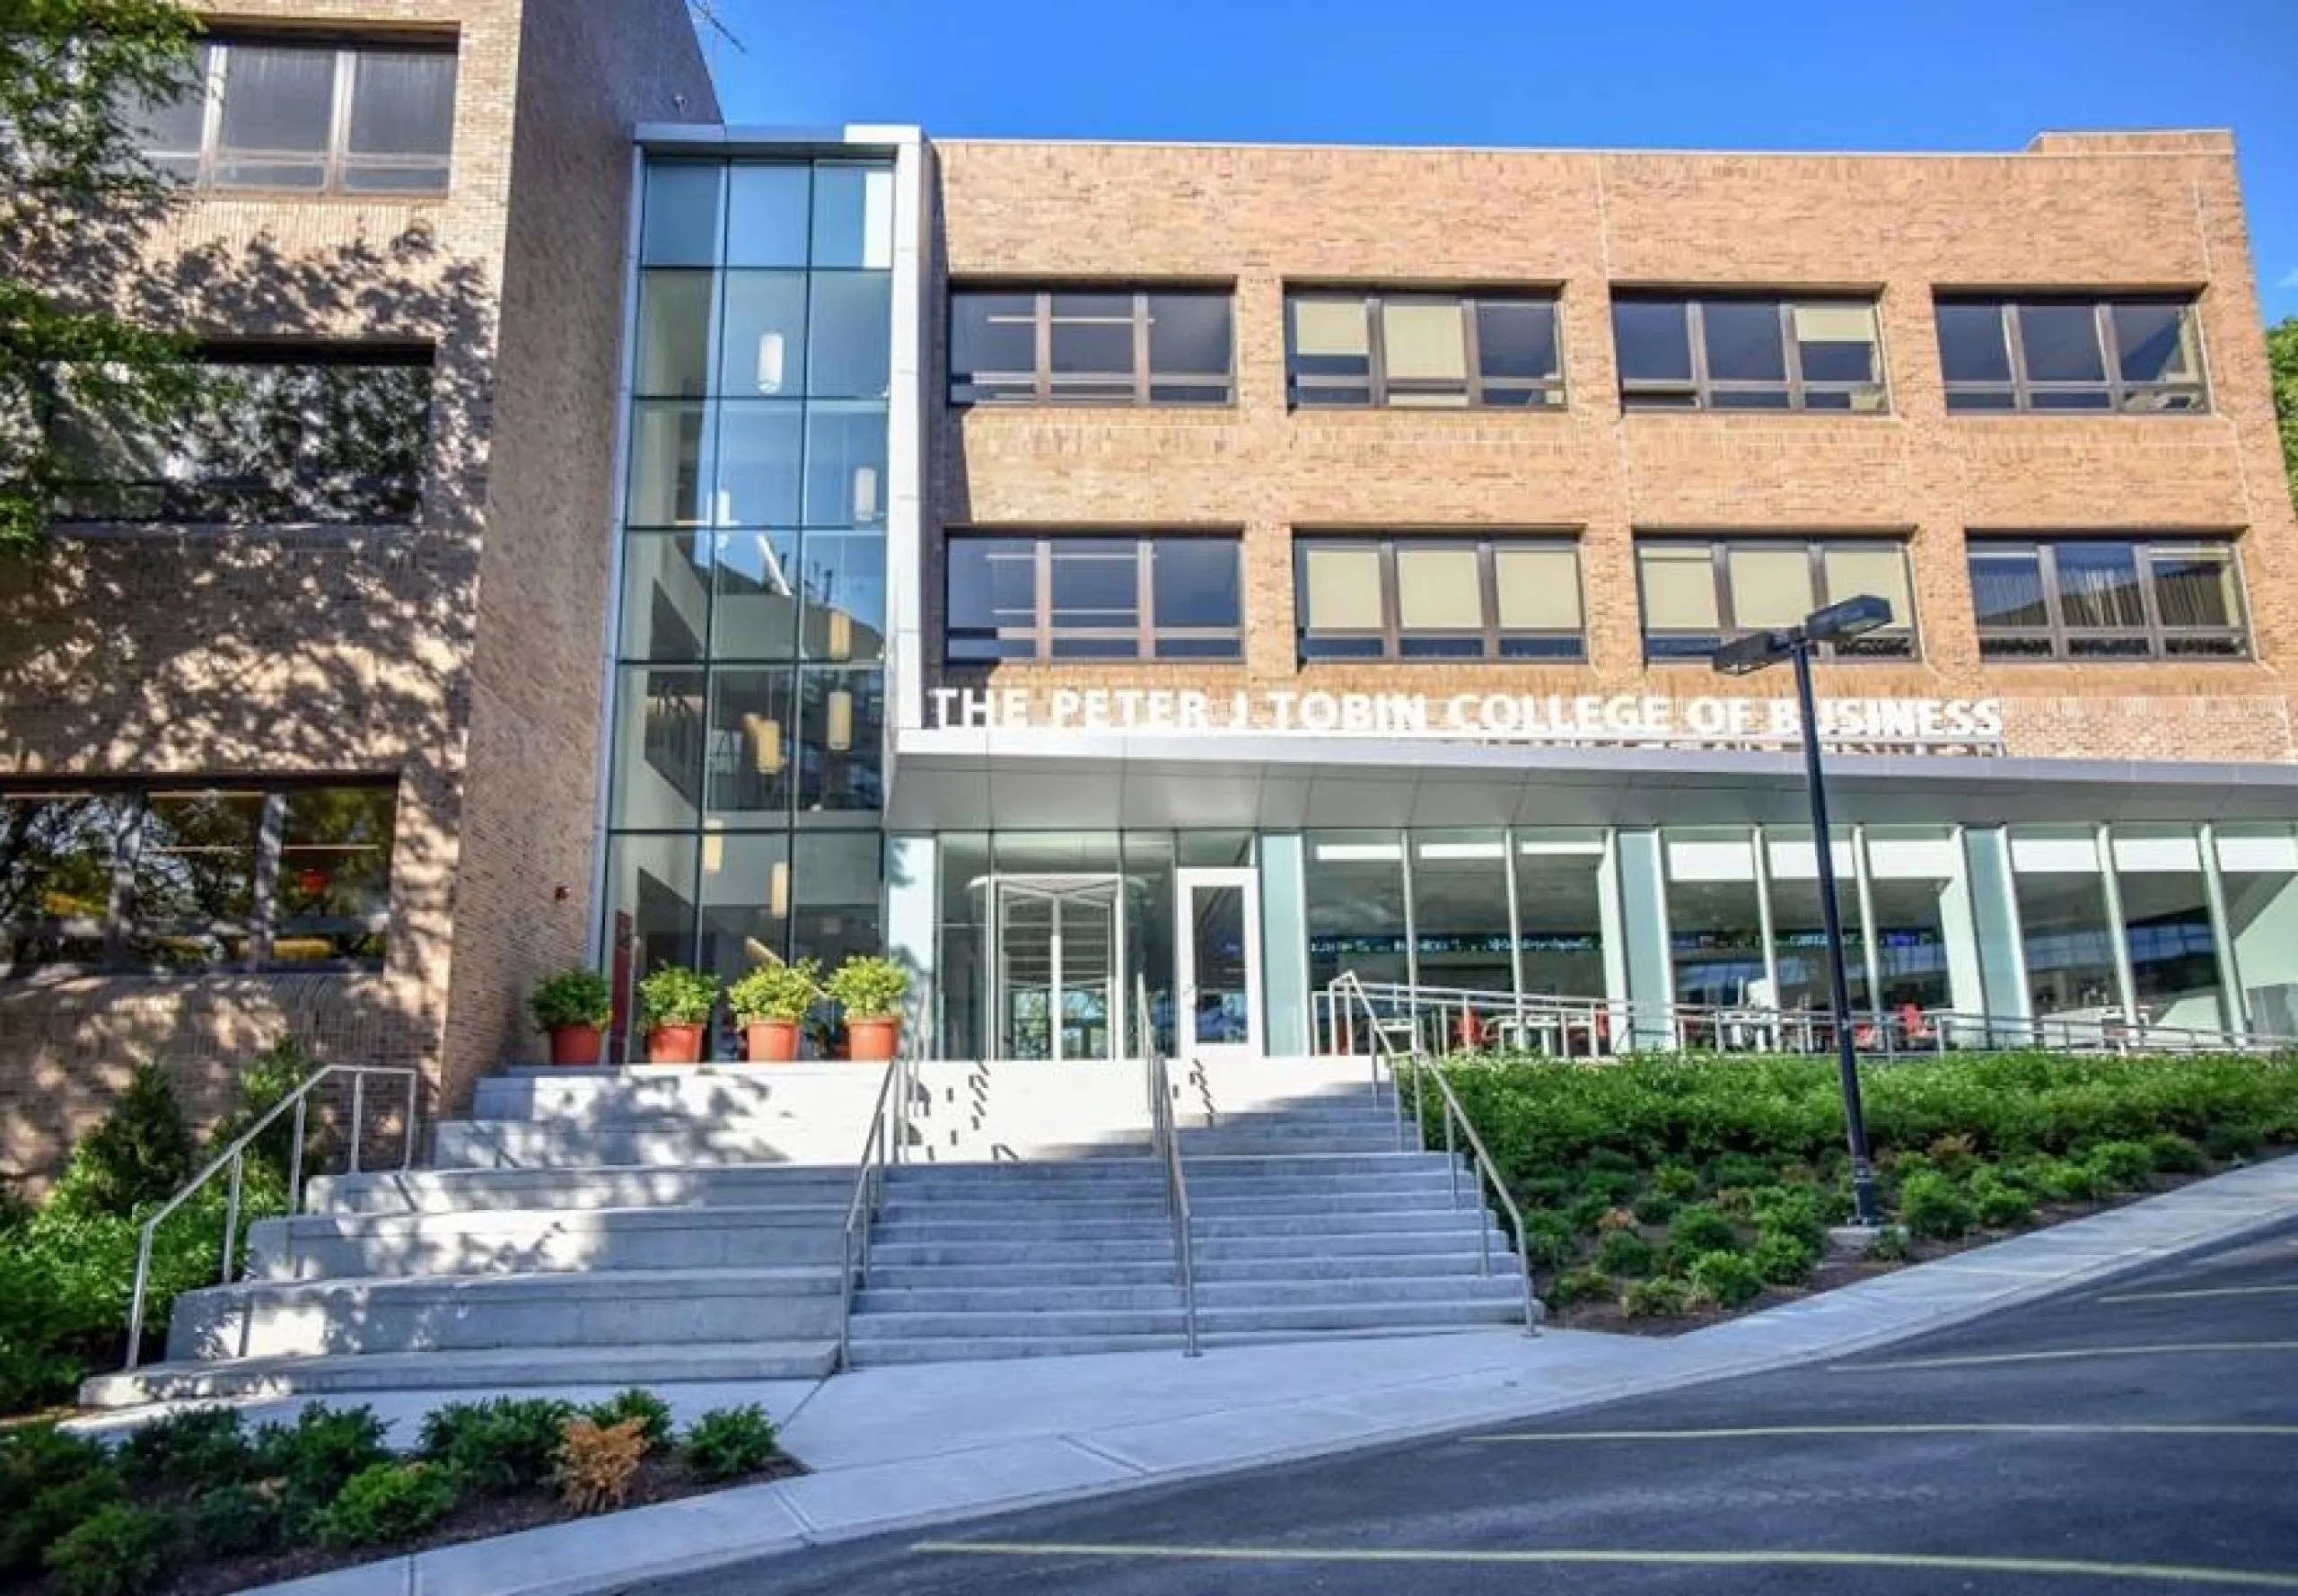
(1621, 720)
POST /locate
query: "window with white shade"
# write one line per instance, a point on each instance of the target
(1089, 347)
(369, 117)
(1442, 351)
(2090, 598)
(1433, 596)
(1738, 353)
(1700, 592)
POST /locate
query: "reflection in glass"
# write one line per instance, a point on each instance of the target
(1560, 914)
(765, 336)
(1355, 906)
(684, 206)
(195, 878)
(1460, 904)
(1799, 921)
(842, 724)
(842, 583)
(758, 463)
(650, 893)
(755, 615)
(753, 741)
(2258, 869)
(673, 334)
(55, 875)
(746, 899)
(766, 213)
(2167, 929)
(833, 906)
(659, 742)
(2068, 944)
(1922, 929)
(1715, 925)
(849, 349)
(665, 595)
(666, 482)
(846, 464)
(853, 216)
(332, 900)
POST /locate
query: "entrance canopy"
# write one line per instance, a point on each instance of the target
(968, 780)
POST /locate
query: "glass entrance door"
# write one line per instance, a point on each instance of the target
(1055, 987)
(1216, 949)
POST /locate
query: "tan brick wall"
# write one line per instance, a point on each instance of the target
(305, 649)
(2126, 211)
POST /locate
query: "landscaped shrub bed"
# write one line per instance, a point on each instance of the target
(198, 1503)
(1665, 1185)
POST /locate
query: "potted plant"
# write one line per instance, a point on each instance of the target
(768, 1003)
(677, 1004)
(575, 1006)
(869, 990)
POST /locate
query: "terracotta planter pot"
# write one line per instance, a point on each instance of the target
(575, 1044)
(772, 1042)
(871, 1041)
(674, 1044)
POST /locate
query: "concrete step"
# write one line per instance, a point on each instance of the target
(906, 1209)
(514, 1241)
(1377, 1252)
(927, 1350)
(1011, 1175)
(452, 1312)
(667, 1140)
(898, 1229)
(1064, 1324)
(447, 1191)
(1009, 1254)
(1150, 1269)
(1418, 1264)
(710, 1092)
(1065, 1297)
(492, 1371)
(1397, 1293)
(1016, 1226)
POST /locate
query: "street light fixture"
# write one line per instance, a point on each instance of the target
(1744, 656)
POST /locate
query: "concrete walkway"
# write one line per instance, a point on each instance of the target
(897, 1447)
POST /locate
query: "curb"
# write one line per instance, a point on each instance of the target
(589, 1560)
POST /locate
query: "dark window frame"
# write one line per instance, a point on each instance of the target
(1698, 391)
(1375, 389)
(1394, 639)
(2158, 637)
(1043, 637)
(123, 917)
(2123, 396)
(1044, 385)
(1698, 645)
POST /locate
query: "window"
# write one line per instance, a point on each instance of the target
(308, 117)
(270, 877)
(1089, 347)
(333, 433)
(1093, 597)
(2094, 598)
(1442, 351)
(2132, 355)
(1435, 597)
(1739, 353)
(1698, 593)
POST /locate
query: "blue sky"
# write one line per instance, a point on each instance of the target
(1785, 74)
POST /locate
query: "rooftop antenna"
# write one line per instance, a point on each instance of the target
(714, 32)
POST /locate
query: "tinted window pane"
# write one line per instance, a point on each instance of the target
(1516, 340)
(1343, 588)
(2061, 343)
(175, 125)
(1195, 580)
(2007, 589)
(1096, 582)
(842, 737)
(1743, 343)
(55, 875)
(854, 216)
(1189, 334)
(850, 343)
(195, 877)
(402, 102)
(993, 336)
(753, 743)
(667, 488)
(1679, 588)
(2098, 585)
(2151, 342)
(2195, 588)
(1425, 341)
(843, 579)
(684, 199)
(334, 884)
(765, 335)
(1439, 589)
(1836, 343)
(278, 98)
(759, 452)
(846, 465)
(1093, 335)
(992, 583)
(754, 610)
(665, 595)
(674, 333)
(1971, 345)
(1654, 341)
(766, 215)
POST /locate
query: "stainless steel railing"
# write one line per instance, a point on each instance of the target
(881, 1148)
(235, 1158)
(1166, 1147)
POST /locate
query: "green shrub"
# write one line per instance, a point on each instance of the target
(1999, 1204)
(1698, 1230)
(576, 996)
(675, 995)
(1892, 1247)
(2236, 1138)
(1741, 1169)
(867, 986)
(2175, 1154)
(196, 1448)
(1624, 1252)
(1611, 1161)
(1585, 1211)
(776, 991)
(1547, 1191)
(653, 1413)
(265, 1082)
(727, 1442)
(498, 1446)
(236, 1519)
(1726, 1279)
(52, 1514)
(318, 1454)
(1932, 1205)
(1614, 1187)
(2122, 1165)
(1656, 1208)
(1575, 1287)
(38, 1458)
(2061, 1179)
(140, 1154)
(1551, 1240)
(385, 1503)
(1662, 1297)
(1675, 1181)
(1802, 1212)
(117, 1551)
(1785, 1259)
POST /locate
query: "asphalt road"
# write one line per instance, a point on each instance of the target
(2140, 1436)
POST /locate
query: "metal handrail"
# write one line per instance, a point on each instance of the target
(1166, 1144)
(1457, 1126)
(235, 1157)
(881, 1145)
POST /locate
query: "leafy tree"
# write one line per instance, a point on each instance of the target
(2282, 354)
(77, 198)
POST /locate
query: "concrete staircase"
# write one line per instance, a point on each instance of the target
(583, 1227)
(1308, 1221)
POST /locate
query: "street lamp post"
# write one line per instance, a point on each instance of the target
(1744, 656)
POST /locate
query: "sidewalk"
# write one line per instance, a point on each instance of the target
(897, 1447)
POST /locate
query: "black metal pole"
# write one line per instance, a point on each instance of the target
(1866, 1211)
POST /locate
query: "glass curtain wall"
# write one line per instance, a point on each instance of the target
(1716, 936)
(1559, 912)
(1924, 949)
(1799, 939)
(2258, 873)
(2166, 927)
(749, 725)
(2065, 934)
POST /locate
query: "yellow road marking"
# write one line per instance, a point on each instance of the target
(2215, 1290)
(2073, 1568)
(1767, 1431)
(1975, 1360)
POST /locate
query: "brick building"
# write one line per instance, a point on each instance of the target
(1089, 570)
